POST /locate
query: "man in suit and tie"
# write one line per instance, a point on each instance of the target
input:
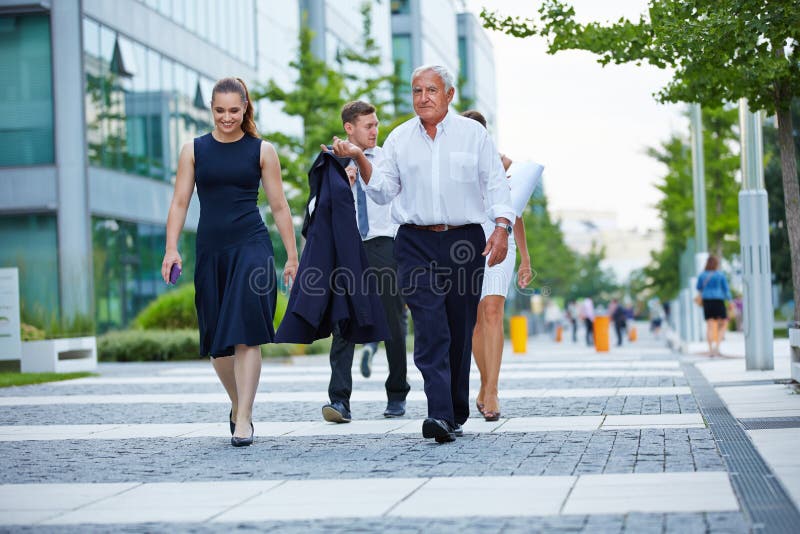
(377, 233)
(437, 169)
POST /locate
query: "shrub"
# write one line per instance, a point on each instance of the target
(30, 333)
(148, 345)
(172, 310)
(175, 309)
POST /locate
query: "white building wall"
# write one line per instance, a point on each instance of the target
(439, 34)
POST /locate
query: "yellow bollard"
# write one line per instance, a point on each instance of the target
(559, 333)
(519, 334)
(632, 334)
(601, 323)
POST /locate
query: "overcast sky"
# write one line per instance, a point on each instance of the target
(589, 125)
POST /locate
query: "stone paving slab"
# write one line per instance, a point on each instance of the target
(711, 523)
(311, 411)
(557, 453)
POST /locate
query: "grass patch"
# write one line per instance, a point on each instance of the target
(24, 379)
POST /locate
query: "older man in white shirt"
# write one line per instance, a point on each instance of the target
(437, 170)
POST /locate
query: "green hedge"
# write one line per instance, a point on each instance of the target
(175, 310)
(148, 345)
(172, 310)
(174, 345)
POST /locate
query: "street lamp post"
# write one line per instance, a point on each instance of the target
(754, 238)
(700, 231)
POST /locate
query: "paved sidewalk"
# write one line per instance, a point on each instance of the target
(588, 442)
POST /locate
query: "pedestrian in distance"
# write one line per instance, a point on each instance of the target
(235, 279)
(586, 314)
(620, 319)
(714, 292)
(487, 337)
(377, 231)
(438, 169)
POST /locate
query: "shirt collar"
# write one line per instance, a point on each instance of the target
(441, 126)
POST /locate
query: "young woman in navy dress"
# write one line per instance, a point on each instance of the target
(235, 279)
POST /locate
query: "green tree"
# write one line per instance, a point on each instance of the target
(676, 206)
(554, 264)
(315, 98)
(591, 279)
(719, 50)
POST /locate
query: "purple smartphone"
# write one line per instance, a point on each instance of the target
(174, 273)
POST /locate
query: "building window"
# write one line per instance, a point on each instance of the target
(401, 7)
(26, 91)
(401, 52)
(30, 243)
(140, 105)
(127, 276)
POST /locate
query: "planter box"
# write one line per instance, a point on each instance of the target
(794, 347)
(59, 355)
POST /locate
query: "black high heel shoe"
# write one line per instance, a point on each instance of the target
(231, 423)
(244, 442)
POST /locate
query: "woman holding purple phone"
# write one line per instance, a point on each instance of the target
(234, 279)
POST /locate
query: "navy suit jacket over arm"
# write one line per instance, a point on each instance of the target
(331, 286)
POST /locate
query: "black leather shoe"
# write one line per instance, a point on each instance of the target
(459, 431)
(231, 422)
(244, 442)
(335, 412)
(396, 408)
(439, 430)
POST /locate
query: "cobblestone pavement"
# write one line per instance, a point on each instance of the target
(577, 455)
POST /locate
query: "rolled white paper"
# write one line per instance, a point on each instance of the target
(523, 177)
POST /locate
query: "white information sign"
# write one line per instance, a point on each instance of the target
(10, 343)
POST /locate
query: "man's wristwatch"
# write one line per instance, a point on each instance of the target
(507, 227)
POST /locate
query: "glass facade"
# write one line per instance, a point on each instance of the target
(401, 52)
(26, 91)
(30, 243)
(127, 268)
(227, 25)
(401, 7)
(141, 106)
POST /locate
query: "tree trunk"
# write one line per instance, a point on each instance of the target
(791, 187)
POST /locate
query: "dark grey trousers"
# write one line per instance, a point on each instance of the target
(380, 255)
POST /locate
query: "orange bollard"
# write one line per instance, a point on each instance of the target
(559, 333)
(632, 334)
(519, 334)
(601, 342)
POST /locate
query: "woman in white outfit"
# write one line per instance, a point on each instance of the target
(487, 338)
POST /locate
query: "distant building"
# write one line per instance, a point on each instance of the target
(476, 67)
(625, 250)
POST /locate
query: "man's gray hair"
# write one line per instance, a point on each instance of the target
(443, 73)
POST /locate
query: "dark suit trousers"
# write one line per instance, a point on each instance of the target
(440, 276)
(380, 256)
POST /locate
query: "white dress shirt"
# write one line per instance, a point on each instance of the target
(379, 215)
(443, 180)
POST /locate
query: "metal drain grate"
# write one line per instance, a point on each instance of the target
(765, 502)
(770, 423)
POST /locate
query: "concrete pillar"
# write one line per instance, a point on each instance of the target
(73, 217)
(754, 238)
(700, 231)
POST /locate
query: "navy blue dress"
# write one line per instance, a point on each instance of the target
(234, 277)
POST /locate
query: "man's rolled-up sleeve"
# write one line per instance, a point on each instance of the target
(384, 184)
(494, 183)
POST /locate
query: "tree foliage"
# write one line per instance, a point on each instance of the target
(676, 206)
(720, 51)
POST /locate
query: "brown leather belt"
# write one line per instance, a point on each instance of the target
(436, 227)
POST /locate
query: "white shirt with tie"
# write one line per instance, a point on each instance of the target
(378, 215)
(443, 180)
